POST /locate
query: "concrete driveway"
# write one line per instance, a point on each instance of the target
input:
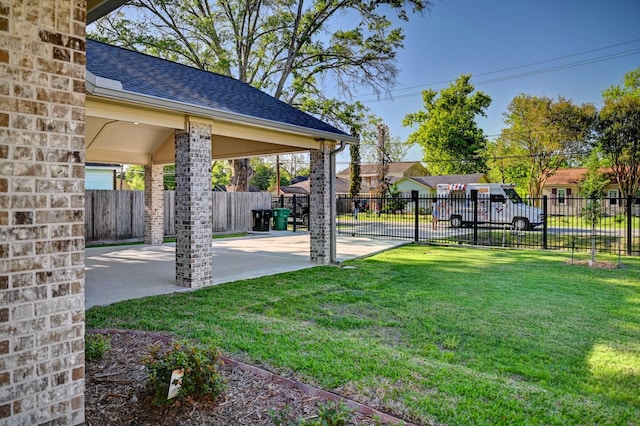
(120, 273)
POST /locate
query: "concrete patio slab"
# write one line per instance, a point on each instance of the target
(120, 273)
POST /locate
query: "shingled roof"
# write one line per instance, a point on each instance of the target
(576, 175)
(434, 181)
(179, 84)
(396, 169)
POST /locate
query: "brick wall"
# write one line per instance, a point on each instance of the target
(42, 74)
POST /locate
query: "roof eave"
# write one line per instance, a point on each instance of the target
(98, 8)
(112, 89)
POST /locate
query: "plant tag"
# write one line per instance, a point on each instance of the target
(175, 383)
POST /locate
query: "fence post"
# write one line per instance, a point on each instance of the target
(416, 222)
(281, 200)
(474, 200)
(545, 211)
(629, 224)
(294, 211)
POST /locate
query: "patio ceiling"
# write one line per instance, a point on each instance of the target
(136, 134)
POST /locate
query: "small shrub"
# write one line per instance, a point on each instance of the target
(200, 363)
(329, 414)
(95, 346)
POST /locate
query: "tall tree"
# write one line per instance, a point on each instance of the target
(593, 189)
(382, 166)
(619, 132)
(544, 134)
(395, 148)
(504, 161)
(450, 138)
(355, 184)
(287, 48)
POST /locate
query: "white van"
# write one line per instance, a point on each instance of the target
(497, 204)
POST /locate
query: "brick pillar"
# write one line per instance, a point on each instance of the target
(193, 206)
(319, 206)
(153, 205)
(42, 77)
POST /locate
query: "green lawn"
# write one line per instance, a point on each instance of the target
(435, 334)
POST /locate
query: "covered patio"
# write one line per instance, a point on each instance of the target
(129, 272)
(148, 111)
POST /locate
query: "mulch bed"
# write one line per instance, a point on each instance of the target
(116, 392)
(598, 264)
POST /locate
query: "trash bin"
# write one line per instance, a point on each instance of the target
(261, 219)
(280, 219)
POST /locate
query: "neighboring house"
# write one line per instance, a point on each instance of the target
(369, 172)
(426, 185)
(100, 176)
(563, 187)
(303, 188)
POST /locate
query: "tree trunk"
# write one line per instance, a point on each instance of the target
(241, 174)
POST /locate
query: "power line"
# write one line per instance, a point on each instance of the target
(524, 74)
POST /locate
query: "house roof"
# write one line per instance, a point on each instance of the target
(128, 72)
(575, 176)
(397, 169)
(342, 187)
(434, 181)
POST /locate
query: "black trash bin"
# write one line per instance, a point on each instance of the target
(261, 219)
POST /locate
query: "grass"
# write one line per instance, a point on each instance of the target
(534, 239)
(447, 335)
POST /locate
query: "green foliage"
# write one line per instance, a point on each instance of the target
(619, 132)
(329, 414)
(630, 87)
(595, 182)
(169, 177)
(395, 203)
(95, 346)
(542, 134)
(220, 173)
(447, 131)
(506, 165)
(395, 149)
(134, 176)
(264, 174)
(199, 362)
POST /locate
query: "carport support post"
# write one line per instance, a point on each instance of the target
(153, 204)
(193, 205)
(320, 205)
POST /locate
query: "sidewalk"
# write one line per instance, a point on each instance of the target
(120, 273)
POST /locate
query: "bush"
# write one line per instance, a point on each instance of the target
(329, 414)
(200, 364)
(95, 346)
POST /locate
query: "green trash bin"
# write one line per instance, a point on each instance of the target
(280, 219)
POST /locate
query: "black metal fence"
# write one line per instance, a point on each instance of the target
(611, 225)
(298, 206)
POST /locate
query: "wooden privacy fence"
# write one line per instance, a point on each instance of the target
(119, 215)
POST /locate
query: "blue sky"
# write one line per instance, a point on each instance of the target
(469, 36)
